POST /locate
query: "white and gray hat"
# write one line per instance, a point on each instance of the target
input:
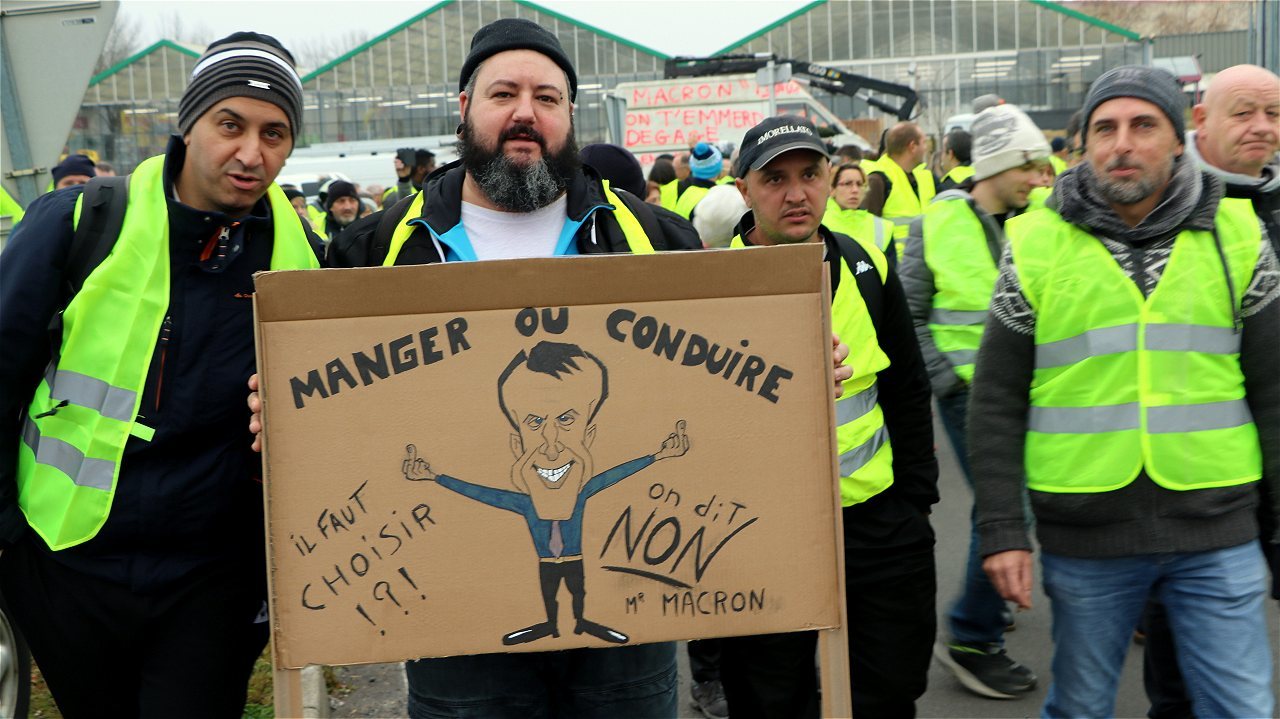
(1005, 138)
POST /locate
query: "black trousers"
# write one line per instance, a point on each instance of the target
(106, 651)
(704, 660)
(891, 598)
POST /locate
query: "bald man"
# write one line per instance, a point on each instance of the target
(1236, 138)
(1237, 135)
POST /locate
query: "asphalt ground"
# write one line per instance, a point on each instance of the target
(379, 690)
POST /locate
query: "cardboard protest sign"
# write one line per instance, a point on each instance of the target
(545, 454)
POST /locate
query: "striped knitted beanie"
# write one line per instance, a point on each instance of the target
(243, 64)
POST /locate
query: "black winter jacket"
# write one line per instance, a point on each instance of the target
(191, 496)
(360, 245)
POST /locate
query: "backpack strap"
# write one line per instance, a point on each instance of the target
(381, 242)
(102, 208)
(869, 284)
(638, 207)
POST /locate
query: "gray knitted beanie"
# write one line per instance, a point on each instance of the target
(1157, 87)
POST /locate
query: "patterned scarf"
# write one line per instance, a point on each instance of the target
(1189, 203)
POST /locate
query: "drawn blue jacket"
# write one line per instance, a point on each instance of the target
(540, 529)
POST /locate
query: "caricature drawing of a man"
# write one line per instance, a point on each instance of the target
(551, 395)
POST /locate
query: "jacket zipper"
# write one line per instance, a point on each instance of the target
(165, 330)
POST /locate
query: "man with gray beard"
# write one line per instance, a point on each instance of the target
(1126, 382)
(518, 190)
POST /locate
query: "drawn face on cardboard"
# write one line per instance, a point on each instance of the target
(552, 413)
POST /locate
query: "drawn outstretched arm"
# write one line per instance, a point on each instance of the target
(418, 469)
(675, 445)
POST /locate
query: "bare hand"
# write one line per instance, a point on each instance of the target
(1010, 574)
(675, 445)
(840, 352)
(255, 407)
(415, 467)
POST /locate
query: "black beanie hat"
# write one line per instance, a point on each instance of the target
(339, 188)
(74, 165)
(1158, 87)
(291, 192)
(616, 165)
(243, 64)
(516, 34)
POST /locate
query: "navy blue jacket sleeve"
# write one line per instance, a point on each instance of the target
(31, 293)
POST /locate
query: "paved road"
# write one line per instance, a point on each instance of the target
(379, 690)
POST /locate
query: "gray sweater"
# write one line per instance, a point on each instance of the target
(918, 283)
(1142, 517)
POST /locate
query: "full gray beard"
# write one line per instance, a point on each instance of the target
(1128, 192)
(515, 188)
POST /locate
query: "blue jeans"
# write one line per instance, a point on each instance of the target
(630, 681)
(1214, 601)
(978, 614)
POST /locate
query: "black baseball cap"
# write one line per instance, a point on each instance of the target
(774, 136)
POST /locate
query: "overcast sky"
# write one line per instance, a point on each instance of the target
(674, 27)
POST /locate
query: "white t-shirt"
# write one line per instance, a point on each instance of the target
(498, 235)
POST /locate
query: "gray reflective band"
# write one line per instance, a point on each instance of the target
(857, 458)
(1124, 338)
(91, 392)
(1084, 420)
(1193, 338)
(83, 471)
(903, 220)
(856, 405)
(1198, 417)
(957, 317)
(881, 244)
(959, 357)
(1103, 341)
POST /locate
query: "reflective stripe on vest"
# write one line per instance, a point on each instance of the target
(964, 276)
(903, 205)
(862, 441)
(85, 408)
(1123, 382)
(632, 230)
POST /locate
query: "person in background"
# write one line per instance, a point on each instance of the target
(718, 215)
(663, 170)
(705, 167)
(299, 202)
(105, 169)
(845, 215)
(949, 272)
(1236, 139)
(900, 186)
(849, 154)
(1059, 157)
(956, 167)
(342, 207)
(622, 171)
(412, 167)
(74, 170)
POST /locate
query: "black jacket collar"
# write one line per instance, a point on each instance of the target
(442, 206)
